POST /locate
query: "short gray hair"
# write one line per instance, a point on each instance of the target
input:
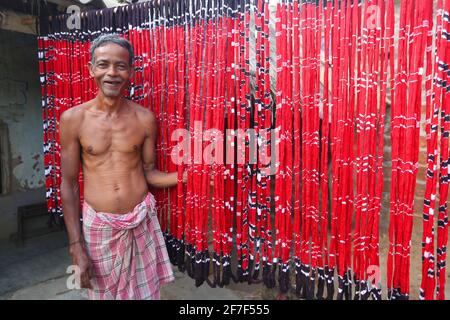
(104, 39)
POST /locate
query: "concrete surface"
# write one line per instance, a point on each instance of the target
(38, 271)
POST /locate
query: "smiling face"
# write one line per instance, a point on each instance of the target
(111, 69)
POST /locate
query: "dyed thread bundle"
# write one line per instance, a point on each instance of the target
(369, 169)
(433, 267)
(406, 114)
(320, 118)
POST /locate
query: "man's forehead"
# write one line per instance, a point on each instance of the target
(111, 51)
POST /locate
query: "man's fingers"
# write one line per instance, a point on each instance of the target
(85, 282)
(87, 285)
(90, 273)
(84, 279)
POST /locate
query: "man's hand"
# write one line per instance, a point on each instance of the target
(80, 259)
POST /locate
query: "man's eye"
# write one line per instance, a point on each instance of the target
(122, 67)
(102, 65)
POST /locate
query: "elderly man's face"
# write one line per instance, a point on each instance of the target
(111, 69)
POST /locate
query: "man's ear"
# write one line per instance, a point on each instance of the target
(131, 71)
(91, 68)
(131, 75)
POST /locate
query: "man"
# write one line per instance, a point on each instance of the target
(120, 250)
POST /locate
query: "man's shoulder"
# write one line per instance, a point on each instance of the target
(72, 119)
(145, 115)
(75, 114)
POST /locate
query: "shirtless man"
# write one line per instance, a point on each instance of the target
(114, 139)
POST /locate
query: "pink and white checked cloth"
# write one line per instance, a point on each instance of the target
(127, 251)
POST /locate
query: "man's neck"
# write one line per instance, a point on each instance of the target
(111, 106)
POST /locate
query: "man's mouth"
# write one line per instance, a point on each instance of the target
(112, 82)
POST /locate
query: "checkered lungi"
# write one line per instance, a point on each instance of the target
(127, 252)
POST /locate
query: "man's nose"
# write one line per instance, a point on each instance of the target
(112, 71)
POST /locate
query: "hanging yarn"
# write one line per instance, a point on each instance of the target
(279, 128)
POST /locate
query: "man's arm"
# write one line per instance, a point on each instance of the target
(153, 176)
(70, 195)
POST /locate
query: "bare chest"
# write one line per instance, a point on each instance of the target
(100, 135)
